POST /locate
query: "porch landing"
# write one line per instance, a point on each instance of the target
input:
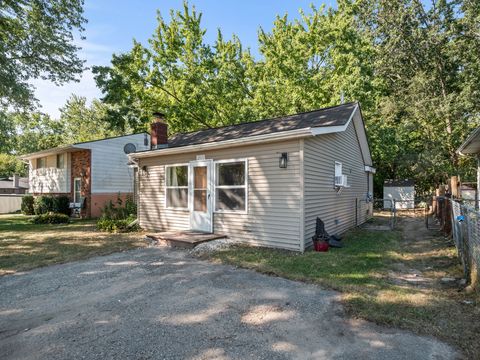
(184, 239)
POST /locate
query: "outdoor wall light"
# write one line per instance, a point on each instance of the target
(144, 170)
(283, 160)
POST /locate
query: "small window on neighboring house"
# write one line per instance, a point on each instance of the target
(176, 187)
(231, 186)
(41, 163)
(60, 161)
(77, 190)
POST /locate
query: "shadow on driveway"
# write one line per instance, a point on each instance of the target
(158, 303)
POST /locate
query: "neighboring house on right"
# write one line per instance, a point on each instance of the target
(400, 192)
(471, 146)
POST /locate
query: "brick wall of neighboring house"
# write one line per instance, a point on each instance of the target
(99, 201)
(82, 168)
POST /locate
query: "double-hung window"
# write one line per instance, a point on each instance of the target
(41, 163)
(176, 186)
(338, 169)
(231, 186)
(77, 190)
(60, 161)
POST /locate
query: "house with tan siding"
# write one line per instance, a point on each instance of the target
(264, 182)
(91, 173)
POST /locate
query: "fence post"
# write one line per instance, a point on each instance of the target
(448, 216)
(473, 255)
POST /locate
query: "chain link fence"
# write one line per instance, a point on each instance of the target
(462, 222)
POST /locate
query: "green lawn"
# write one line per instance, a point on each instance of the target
(370, 272)
(25, 246)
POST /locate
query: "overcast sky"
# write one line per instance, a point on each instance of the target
(113, 24)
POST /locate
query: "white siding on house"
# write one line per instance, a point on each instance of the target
(274, 196)
(10, 203)
(110, 172)
(49, 179)
(337, 209)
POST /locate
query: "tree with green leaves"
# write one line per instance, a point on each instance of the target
(414, 69)
(423, 56)
(37, 42)
(10, 164)
(81, 122)
(197, 84)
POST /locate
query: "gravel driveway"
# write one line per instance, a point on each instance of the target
(157, 303)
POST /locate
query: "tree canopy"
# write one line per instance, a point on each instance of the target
(37, 41)
(414, 68)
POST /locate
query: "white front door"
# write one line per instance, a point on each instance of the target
(200, 195)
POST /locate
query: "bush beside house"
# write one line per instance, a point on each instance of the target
(27, 205)
(119, 217)
(51, 218)
(51, 204)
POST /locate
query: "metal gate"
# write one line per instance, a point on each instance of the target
(386, 214)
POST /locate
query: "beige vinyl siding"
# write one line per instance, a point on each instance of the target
(336, 209)
(49, 179)
(273, 216)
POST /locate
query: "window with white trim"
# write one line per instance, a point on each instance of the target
(338, 169)
(231, 186)
(176, 186)
(77, 190)
(340, 179)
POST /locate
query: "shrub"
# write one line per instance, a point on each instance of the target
(117, 225)
(27, 205)
(57, 204)
(51, 218)
(43, 205)
(61, 205)
(119, 211)
(130, 206)
(117, 217)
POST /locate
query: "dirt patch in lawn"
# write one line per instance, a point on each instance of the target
(25, 246)
(390, 277)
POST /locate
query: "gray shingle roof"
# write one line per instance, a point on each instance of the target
(332, 116)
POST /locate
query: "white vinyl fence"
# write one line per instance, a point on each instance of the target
(10, 203)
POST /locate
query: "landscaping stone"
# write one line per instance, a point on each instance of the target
(210, 247)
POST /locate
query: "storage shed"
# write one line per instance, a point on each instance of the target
(402, 191)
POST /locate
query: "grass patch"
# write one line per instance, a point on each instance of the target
(24, 245)
(374, 273)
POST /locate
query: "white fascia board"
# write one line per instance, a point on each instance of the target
(53, 151)
(334, 129)
(370, 169)
(250, 140)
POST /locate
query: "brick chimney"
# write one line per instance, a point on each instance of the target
(158, 131)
